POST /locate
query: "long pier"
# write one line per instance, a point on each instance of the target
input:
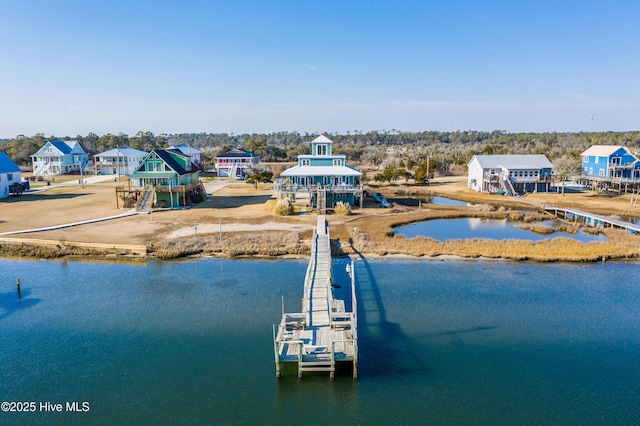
(323, 334)
(591, 219)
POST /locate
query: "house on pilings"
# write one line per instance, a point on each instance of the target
(170, 177)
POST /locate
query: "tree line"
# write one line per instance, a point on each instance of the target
(447, 152)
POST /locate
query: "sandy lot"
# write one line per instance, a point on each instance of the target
(237, 206)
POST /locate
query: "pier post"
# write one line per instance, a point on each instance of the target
(18, 287)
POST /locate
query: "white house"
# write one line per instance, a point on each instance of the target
(59, 157)
(194, 153)
(119, 161)
(509, 174)
(10, 176)
(235, 162)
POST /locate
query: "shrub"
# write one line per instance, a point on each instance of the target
(342, 209)
(283, 207)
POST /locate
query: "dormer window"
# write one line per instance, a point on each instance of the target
(321, 150)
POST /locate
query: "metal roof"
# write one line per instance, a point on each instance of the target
(603, 150)
(123, 152)
(322, 138)
(534, 161)
(321, 171)
(7, 165)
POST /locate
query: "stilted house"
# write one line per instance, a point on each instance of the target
(10, 176)
(171, 178)
(610, 162)
(119, 161)
(236, 162)
(510, 174)
(322, 178)
(59, 157)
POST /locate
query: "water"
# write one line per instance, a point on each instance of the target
(455, 342)
(448, 201)
(473, 227)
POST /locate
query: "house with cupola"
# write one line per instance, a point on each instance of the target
(323, 177)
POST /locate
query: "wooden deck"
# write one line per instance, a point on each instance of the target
(323, 333)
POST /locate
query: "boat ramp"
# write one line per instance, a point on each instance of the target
(323, 334)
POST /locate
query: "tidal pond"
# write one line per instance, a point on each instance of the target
(495, 229)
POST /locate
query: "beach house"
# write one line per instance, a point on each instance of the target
(609, 162)
(59, 157)
(509, 174)
(119, 161)
(171, 178)
(10, 176)
(236, 163)
(322, 177)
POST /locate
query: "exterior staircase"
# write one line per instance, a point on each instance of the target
(145, 202)
(507, 186)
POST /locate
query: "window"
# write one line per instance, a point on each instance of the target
(590, 169)
(9, 177)
(597, 160)
(306, 162)
(337, 162)
(601, 172)
(321, 150)
(585, 159)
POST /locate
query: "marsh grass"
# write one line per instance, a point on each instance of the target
(377, 237)
(233, 244)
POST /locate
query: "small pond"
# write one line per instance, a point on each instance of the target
(467, 228)
(448, 202)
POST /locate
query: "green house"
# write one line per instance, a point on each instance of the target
(173, 178)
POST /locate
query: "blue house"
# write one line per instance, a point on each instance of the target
(610, 162)
(323, 176)
(59, 157)
(9, 176)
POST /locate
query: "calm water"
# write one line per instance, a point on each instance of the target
(473, 227)
(455, 342)
(448, 201)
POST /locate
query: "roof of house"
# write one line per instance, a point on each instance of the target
(7, 165)
(170, 161)
(321, 171)
(603, 150)
(123, 152)
(322, 138)
(238, 152)
(533, 161)
(186, 150)
(64, 147)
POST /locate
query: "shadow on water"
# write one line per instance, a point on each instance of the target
(383, 347)
(10, 302)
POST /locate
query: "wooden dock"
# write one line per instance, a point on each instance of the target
(589, 219)
(323, 334)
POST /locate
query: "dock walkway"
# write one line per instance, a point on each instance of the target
(323, 333)
(590, 219)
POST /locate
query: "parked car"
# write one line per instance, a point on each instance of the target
(378, 197)
(384, 203)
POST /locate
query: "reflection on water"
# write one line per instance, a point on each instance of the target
(448, 202)
(473, 227)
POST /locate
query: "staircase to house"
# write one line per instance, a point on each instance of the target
(42, 169)
(507, 186)
(145, 202)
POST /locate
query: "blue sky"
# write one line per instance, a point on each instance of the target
(72, 67)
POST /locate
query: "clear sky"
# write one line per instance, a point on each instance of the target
(73, 67)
